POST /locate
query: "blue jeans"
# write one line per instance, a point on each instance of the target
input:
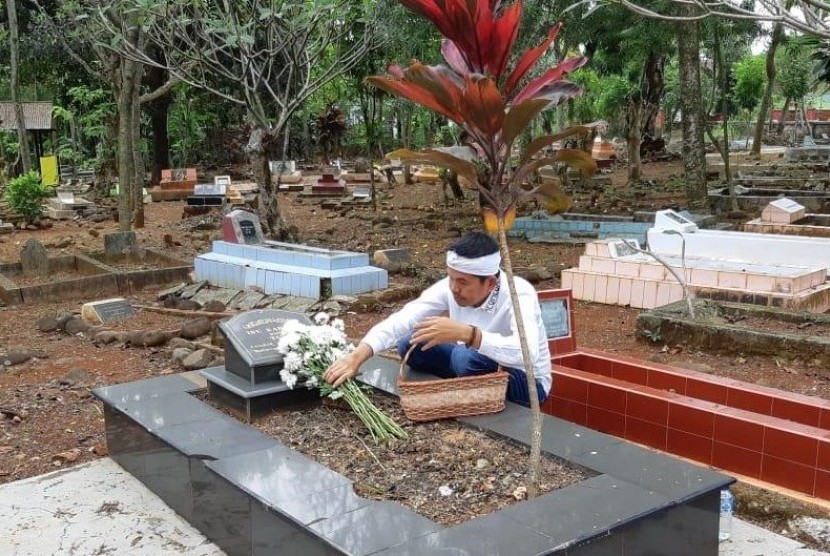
(458, 360)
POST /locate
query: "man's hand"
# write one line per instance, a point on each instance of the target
(347, 366)
(440, 330)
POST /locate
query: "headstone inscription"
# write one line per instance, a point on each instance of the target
(107, 310)
(33, 258)
(241, 226)
(252, 339)
(556, 316)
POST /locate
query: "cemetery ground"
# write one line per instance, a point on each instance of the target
(49, 419)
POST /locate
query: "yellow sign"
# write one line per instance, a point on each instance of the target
(49, 170)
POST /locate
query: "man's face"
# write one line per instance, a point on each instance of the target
(469, 290)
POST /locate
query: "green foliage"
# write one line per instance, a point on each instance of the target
(653, 335)
(24, 195)
(794, 67)
(751, 79)
(187, 123)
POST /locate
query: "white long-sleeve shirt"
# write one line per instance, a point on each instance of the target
(494, 317)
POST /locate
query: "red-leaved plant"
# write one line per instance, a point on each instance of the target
(493, 105)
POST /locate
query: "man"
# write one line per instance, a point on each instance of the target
(478, 335)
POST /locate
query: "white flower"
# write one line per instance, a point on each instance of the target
(293, 361)
(336, 395)
(288, 340)
(321, 318)
(338, 324)
(312, 382)
(288, 378)
(445, 490)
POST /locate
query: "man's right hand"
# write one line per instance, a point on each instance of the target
(347, 366)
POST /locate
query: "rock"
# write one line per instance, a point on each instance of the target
(214, 306)
(154, 338)
(398, 294)
(64, 317)
(199, 359)
(176, 343)
(76, 325)
(94, 233)
(64, 242)
(16, 357)
(78, 376)
(534, 275)
(180, 354)
(107, 337)
(392, 259)
(47, 324)
(195, 328)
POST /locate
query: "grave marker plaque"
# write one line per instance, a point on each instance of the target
(251, 347)
(241, 226)
(222, 180)
(557, 316)
(107, 310)
(205, 189)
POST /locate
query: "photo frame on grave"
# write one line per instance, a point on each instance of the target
(558, 317)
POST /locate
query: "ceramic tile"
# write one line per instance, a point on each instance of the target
(608, 422)
(628, 372)
(645, 432)
(791, 446)
(692, 420)
(746, 399)
(606, 397)
(662, 380)
(709, 391)
(736, 459)
(570, 388)
(647, 408)
(738, 431)
(687, 445)
(637, 292)
(788, 474)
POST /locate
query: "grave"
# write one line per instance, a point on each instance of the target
(769, 435)
(244, 259)
(66, 205)
(785, 216)
(581, 228)
(34, 261)
(252, 495)
(753, 199)
(249, 383)
(121, 269)
(209, 194)
(811, 153)
(611, 272)
(175, 185)
(286, 171)
(328, 186)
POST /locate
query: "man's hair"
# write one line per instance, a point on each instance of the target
(473, 245)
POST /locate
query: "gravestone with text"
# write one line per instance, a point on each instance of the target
(251, 346)
(249, 381)
(242, 226)
(107, 310)
(557, 316)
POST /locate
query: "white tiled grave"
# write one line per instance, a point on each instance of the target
(611, 272)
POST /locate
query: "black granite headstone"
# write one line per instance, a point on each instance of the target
(251, 346)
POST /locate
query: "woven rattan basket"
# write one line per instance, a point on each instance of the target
(443, 398)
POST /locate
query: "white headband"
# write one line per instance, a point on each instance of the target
(487, 265)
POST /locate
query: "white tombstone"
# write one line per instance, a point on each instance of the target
(287, 166)
(670, 220)
(242, 226)
(66, 197)
(222, 180)
(783, 211)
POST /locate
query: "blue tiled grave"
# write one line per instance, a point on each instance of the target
(291, 269)
(253, 496)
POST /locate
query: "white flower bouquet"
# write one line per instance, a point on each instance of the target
(309, 350)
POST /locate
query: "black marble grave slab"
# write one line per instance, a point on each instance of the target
(252, 495)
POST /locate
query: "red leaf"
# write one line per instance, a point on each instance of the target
(554, 74)
(434, 87)
(483, 105)
(500, 37)
(454, 57)
(529, 59)
(557, 92)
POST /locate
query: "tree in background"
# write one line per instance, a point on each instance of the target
(269, 56)
(750, 84)
(795, 81)
(14, 85)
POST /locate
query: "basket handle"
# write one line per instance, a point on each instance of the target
(401, 373)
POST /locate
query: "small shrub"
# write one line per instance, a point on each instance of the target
(24, 195)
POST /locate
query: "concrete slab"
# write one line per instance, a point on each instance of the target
(748, 539)
(95, 508)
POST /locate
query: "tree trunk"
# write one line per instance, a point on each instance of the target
(694, 153)
(159, 110)
(14, 85)
(723, 76)
(766, 101)
(535, 410)
(633, 113)
(273, 224)
(137, 178)
(785, 111)
(652, 92)
(126, 161)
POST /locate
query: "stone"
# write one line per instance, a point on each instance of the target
(47, 324)
(214, 306)
(153, 338)
(33, 258)
(107, 337)
(107, 310)
(176, 343)
(78, 376)
(117, 244)
(199, 359)
(195, 328)
(76, 325)
(392, 259)
(179, 354)
(16, 357)
(242, 226)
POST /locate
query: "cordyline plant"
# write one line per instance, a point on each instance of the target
(493, 105)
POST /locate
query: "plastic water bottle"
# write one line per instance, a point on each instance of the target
(727, 504)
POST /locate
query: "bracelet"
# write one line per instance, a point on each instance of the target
(472, 339)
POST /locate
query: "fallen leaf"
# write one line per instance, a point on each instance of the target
(68, 456)
(520, 493)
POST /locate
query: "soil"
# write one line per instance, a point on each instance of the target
(49, 419)
(444, 471)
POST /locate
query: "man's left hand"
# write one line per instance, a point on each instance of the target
(440, 330)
